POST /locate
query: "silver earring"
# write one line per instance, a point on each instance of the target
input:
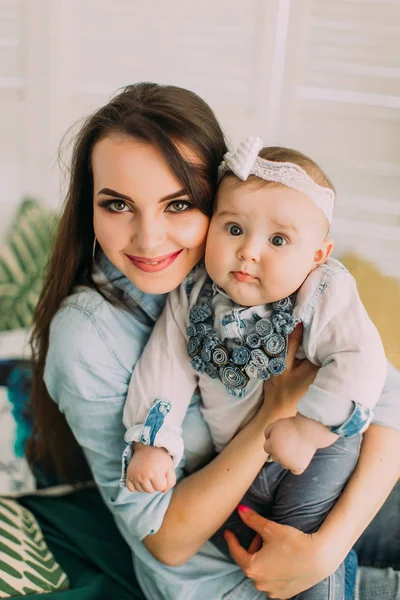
(94, 249)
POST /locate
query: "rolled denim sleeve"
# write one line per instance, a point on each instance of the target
(89, 383)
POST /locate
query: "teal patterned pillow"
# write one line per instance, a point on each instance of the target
(23, 259)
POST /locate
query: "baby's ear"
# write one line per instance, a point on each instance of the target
(323, 252)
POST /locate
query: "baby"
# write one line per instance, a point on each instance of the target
(226, 328)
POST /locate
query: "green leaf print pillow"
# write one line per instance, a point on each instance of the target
(26, 564)
(23, 259)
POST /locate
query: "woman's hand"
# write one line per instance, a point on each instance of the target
(284, 392)
(281, 561)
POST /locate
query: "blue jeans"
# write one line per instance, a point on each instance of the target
(378, 552)
(302, 501)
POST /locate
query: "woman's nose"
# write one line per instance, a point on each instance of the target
(150, 233)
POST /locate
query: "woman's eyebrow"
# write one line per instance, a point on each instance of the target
(114, 194)
(176, 194)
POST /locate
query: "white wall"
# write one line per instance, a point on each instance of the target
(318, 75)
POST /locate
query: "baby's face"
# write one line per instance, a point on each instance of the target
(263, 241)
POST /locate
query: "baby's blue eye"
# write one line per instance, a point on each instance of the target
(278, 240)
(234, 230)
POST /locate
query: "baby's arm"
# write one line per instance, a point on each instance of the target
(344, 342)
(159, 392)
(293, 441)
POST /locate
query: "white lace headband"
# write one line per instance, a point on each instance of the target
(244, 161)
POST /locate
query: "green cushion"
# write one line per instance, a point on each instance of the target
(23, 259)
(26, 565)
(81, 532)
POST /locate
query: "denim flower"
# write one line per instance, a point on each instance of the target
(283, 305)
(259, 359)
(284, 323)
(275, 344)
(253, 340)
(211, 370)
(233, 377)
(211, 340)
(193, 345)
(191, 330)
(277, 366)
(202, 329)
(220, 356)
(200, 313)
(288, 327)
(206, 354)
(278, 320)
(264, 327)
(241, 355)
(197, 364)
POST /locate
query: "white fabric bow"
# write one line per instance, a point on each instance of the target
(244, 161)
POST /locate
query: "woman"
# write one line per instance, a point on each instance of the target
(142, 181)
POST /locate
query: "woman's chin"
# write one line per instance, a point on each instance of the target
(161, 282)
(154, 283)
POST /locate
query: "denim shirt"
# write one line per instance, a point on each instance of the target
(93, 349)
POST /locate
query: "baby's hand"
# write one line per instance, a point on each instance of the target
(150, 470)
(293, 441)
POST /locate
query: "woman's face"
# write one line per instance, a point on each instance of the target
(143, 220)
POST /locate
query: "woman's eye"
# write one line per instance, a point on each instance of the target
(278, 240)
(178, 206)
(234, 230)
(118, 206)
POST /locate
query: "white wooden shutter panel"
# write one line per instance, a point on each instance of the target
(11, 75)
(342, 106)
(213, 48)
(11, 102)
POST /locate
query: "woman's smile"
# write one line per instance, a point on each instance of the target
(154, 265)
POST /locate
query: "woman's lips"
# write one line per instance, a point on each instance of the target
(243, 277)
(153, 265)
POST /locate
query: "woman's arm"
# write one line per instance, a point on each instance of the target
(290, 561)
(203, 501)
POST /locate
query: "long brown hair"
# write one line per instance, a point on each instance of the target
(167, 117)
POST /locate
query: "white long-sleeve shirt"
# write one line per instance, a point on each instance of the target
(338, 336)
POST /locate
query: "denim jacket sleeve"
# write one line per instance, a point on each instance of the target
(89, 382)
(341, 338)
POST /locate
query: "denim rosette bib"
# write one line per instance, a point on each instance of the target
(261, 354)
